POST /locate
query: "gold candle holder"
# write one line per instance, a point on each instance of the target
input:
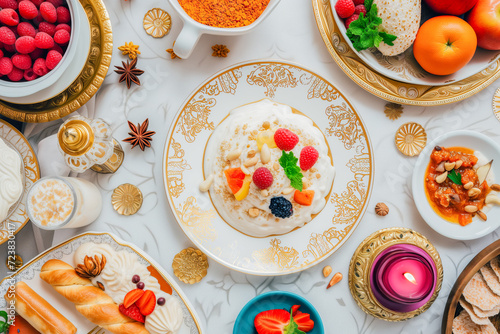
(362, 261)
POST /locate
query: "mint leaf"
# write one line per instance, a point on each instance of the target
(4, 325)
(292, 171)
(368, 4)
(455, 177)
(292, 327)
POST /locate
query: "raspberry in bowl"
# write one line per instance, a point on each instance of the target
(38, 42)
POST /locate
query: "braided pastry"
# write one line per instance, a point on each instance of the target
(92, 302)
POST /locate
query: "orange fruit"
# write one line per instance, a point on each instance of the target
(239, 182)
(304, 197)
(444, 44)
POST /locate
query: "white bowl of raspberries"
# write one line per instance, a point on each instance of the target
(39, 47)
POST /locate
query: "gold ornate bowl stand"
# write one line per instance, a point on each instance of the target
(87, 83)
(361, 264)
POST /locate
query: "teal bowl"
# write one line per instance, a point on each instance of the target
(274, 300)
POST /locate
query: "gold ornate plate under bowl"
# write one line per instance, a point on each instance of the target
(343, 131)
(87, 83)
(30, 274)
(496, 104)
(18, 217)
(390, 89)
(362, 261)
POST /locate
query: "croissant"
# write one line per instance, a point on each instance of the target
(92, 302)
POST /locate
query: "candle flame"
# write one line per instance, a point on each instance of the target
(410, 278)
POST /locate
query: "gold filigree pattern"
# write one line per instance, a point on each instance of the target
(175, 168)
(285, 258)
(195, 118)
(319, 88)
(404, 64)
(197, 220)
(343, 124)
(226, 83)
(361, 263)
(321, 244)
(496, 104)
(348, 204)
(272, 76)
(88, 82)
(388, 89)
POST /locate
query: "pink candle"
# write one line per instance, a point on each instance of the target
(408, 278)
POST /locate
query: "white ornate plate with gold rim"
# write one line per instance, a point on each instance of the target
(385, 87)
(29, 273)
(18, 217)
(344, 131)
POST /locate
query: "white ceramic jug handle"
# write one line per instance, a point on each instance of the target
(186, 41)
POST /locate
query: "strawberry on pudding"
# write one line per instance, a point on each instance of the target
(268, 169)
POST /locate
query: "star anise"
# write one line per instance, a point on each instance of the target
(129, 73)
(220, 50)
(91, 267)
(140, 135)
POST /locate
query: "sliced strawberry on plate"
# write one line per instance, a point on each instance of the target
(147, 303)
(304, 321)
(272, 321)
(132, 312)
(295, 308)
(132, 296)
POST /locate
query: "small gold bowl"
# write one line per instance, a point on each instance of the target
(411, 139)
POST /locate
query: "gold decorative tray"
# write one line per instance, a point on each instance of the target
(361, 263)
(87, 83)
(389, 89)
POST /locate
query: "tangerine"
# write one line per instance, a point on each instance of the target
(444, 44)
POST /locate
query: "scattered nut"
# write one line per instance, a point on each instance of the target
(266, 125)
(205, 184)
(495, 187)
(381, 209)
(471, 208)
(276, 166)
(492, 199)
(264, 192)
(482, 215)
(454, 198)
(449, 165)
(441, 177)
(251, 162)
(265, 154)
(440, 167)
(458, 164)
(474, 192)
(287, 191)
(327, 271)
(245, 170)
(254, 212)
(438, 148)
(234, 154)
(468, 185)
(335, 279)
(251, 154)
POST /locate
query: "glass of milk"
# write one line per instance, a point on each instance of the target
(63, 202)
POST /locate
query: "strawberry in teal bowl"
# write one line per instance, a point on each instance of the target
(278, 312)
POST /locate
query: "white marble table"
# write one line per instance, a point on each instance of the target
(289, 33)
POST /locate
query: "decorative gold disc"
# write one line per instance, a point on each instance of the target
(157, 22)
(126, 199)
(362, 261)
(190, 265)
(496, 104)
(87, 83)
(411, 139)
(14, 262)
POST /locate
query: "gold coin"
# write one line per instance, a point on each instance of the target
(126, 199)
(190, 265)
(411, 139)
(157, 22)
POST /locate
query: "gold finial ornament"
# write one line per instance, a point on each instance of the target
(76, 137)
(126, 199)
(190, 265)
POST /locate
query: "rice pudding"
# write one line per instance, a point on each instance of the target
(268, 169)
(11, 179)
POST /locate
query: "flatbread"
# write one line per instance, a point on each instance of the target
(483, 314)
(479, 294)
(495, 265)
(464, 325)
(491, 278)
(472, 315)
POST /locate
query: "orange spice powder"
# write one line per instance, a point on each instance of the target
(224, 13)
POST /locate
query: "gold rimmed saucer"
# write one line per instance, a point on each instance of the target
(87, 83)
(384, 87)
(362, 261)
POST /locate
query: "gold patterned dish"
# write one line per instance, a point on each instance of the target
(18, 217)
(30, 274)
(496, 104)
(385, 87)
(361, 264)
(344, 131)
(87, 83)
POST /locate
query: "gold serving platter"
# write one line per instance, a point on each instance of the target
(87, 83)
(384, 87)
